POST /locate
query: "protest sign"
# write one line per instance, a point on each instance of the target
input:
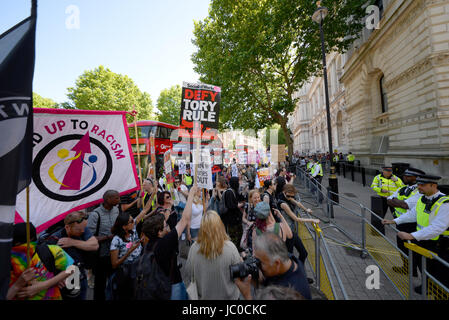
(242, 157)
(252, 157)
(263, 174)
(77, 156)
(182, 166)
(199, 103)
(277, 153)
(204, 165)
(168, 167)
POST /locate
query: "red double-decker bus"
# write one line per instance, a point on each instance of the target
(180, 144)
(161, 132)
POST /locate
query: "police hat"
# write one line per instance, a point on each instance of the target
(427, 179)
(414, 172)
(387, 168)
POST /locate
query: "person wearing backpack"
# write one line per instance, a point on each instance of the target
(45, 272)
(125, 252)
(158, 273)
(100, 223)
(230, 211)
(265, 222)
(77, 240)
(220, 187)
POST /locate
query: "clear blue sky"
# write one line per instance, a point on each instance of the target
(148, 40)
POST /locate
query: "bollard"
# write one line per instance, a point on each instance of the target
(333, 184)
(363, 177)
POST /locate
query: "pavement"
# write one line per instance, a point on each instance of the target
(343, 234)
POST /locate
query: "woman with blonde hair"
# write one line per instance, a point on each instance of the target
(209, 260)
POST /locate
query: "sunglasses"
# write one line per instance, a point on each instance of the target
(79, 220)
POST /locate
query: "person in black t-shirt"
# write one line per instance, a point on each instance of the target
(164, 241)
(269, 193)
(233, 218)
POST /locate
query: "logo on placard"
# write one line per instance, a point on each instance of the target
(67, 168)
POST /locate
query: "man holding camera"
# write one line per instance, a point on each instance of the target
(276, 267)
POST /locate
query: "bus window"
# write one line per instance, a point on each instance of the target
(162, 133)
(142, 131)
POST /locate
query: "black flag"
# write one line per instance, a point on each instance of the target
(17, 55)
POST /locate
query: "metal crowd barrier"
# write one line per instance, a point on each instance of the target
(321, 261)
(372, 242)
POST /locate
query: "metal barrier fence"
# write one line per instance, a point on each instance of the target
(322, 266)
(371, 242)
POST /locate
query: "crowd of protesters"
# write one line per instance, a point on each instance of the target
(128, 247)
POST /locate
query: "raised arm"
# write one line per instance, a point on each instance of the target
(187, 213)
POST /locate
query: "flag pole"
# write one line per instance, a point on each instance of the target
(28, 224)
(197, 151)
(138, 149)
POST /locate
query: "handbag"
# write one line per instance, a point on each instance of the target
(192, 289)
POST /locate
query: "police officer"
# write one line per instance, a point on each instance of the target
(317, 175)
(309, 164)
(350, 157)
(402, 200)
(385, 184)
(431, 214)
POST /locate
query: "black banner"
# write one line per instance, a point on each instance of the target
(17, 59)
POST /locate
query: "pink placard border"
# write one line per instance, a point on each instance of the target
(42, 227)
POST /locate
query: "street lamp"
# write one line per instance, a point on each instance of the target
(318, 16)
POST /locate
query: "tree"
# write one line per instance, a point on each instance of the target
(102, 89)
(261, 51)
(41, 102)
(169, 105)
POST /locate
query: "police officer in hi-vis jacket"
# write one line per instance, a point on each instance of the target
(385, 184)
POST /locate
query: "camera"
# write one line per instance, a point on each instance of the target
(250, 266)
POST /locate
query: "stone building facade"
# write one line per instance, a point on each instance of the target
(395, 91)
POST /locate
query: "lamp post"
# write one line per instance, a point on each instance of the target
(318, 16)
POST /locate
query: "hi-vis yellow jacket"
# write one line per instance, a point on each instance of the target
(380, 182)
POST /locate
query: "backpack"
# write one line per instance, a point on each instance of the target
(214, 204)
(47, 258)
(151, 282)
(222, 209)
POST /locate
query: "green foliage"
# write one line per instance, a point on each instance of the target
(102, 89)
(169, 105)
(261, 51)
(41, 102)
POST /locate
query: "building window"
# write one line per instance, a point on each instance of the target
(383, 95)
